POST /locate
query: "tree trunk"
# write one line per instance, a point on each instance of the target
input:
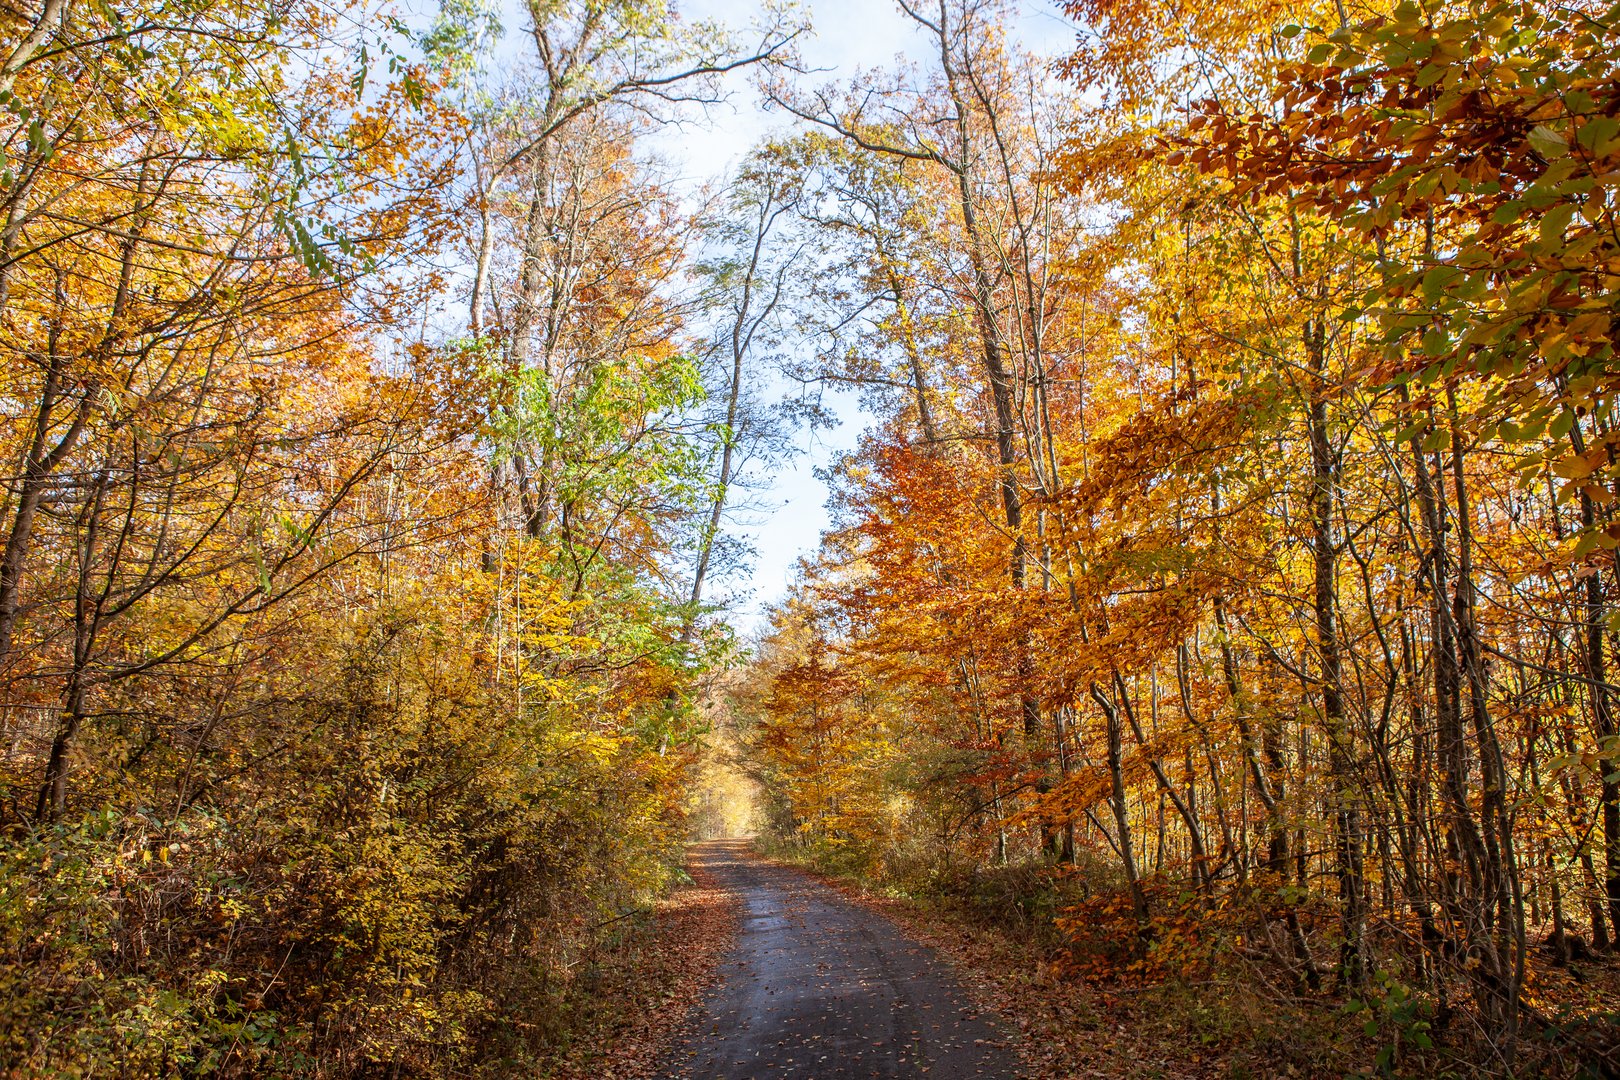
(1348, 839)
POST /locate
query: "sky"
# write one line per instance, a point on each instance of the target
(786, 520)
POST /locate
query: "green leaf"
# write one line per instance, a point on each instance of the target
(1600, 135)
(1547, 142)
(1437, 279)
(1555, 222)
(37, 140)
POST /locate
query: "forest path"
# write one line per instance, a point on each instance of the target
(817, 988)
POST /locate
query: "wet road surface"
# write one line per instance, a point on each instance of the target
(816, 988)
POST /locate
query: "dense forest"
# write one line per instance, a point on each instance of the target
(1225, 595)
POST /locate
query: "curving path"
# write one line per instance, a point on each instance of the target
(817, 988)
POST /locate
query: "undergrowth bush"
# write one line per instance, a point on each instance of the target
(392, 873)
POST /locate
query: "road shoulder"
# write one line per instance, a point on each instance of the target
(649, 998)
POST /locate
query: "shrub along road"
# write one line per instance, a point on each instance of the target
(816, 987)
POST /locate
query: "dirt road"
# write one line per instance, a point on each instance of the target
(817, 988)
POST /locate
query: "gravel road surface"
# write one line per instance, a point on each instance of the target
(817, 988)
